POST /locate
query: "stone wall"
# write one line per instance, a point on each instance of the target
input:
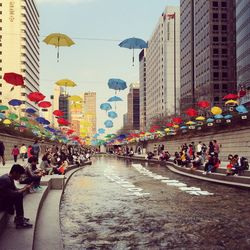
(9, 141)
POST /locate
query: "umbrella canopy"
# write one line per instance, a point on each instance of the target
(190, 123)
(114, 99)
(42, 121)
(112, 114)
(231, 102)
(24, 119)
(66, 83)
(3, 108)
(101, 130)
(191, 112)
(15, 102)
(58, 113)
(230, 96)
(133, 43)
(117, 84)
(12, 116)
(7, 122)
(203, 104)
(216, 110)
(63, 122)
(200, 118)
(108, 124)
(105, 106)
(75, 98)
(2, 116)
(209, 120)
(30, 111)
(241, 109)
(219, 116)
(14, 79)
(44, 104)
(177, 120)
(228, 116)
(36, 96)
(58, 40)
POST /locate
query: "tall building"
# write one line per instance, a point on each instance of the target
(133, 115)
(19, 48)
(64, 105)
(163, 67)
(208, 51)
(89, 108)
(243, 48)
(143, 89)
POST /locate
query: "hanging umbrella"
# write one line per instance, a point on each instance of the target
(44, 104)
(7, 122)
(114, 99)
(3, 108)
(75, 98)
(112, 114)
(231, 102)
(2, 116)
(183, 127)
(117, 84)
(177, 120)
(66, 83)
(14, 79)
(133, 43)
(42, 121)
(228, 116)
(30, 111)
(210, 120)
(203, 104)
(15, 102)
(12, 116)
(191, 112)
(24, 119)
(63, 122)
(200, 118)
(108, 124)
(216, 110)
(230, 96)
(105, 106)
(36, 96)
(190, 123)
(58, 40)
(58, 113)
(101, 130)
(219, 116)
(241, 109)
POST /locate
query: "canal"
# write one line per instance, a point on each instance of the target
(121, 204)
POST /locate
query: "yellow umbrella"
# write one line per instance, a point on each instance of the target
(216, 110)
(190, 123)
(58, 40)
(65, 83)
(200, 118)
(76, 106)
(7, 122)
(75, 98)
(167, 129)
(176, 126)
(231, 102)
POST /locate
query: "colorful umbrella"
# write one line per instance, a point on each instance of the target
(190, 123)
(63, 122)
(12, 116)
(14, 79)
(2, 116)
(216, 110)
(15, 102)
(114, 99)
(7, 122)
(231, 102)
(228, 116)
(3, 108)
(44, 104)
(42, 121)
(30, 111)
(105, 106)
(241, 109)
(58, 113)
(210, 120)
(36, 96)
(58, 40)
(191, 112)
(66, 83)
(101, 130)
(75, 98)
(108, 124)
(203, 104)
(117, 84)
(24, 119)
(133, 43)
(112, 114)
(230, 96)
(177, 120)
(200, 118)
(219, 116)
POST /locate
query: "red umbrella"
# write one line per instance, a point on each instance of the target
(169, 124)
(36, 96)
(63, 122)
(177, 120)
(230, 97)
(44, 104)
(58, 113)
(203, 104)
(191, 112)
(14, 79)
(70, 131)
(152, 130)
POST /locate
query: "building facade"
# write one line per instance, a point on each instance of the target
(143, 88)
(208, 51)
(64, 105)
(163, 67)
(133, 114)
(19, 48)
(243, 48)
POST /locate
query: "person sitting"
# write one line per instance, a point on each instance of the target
(238, 165)
(197, 162)
(11, 198)
(177, 159)
(185, 160)
(229, 165)
(149, 155)
(131, 153)
(212, 164)
(164, 156)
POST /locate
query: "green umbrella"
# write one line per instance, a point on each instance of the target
(12, 116)
(3, 108)
(24, 119)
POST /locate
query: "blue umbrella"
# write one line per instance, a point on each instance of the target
(112, 114)
(108, 124)
(183, 127)
(228, 116)
(210, 120)
(105, 106)
(95, 136)
(122, 136)
(101, 130)
(133, 43)
(15, 102)
(42, 121)
(114, 99)
(218, 116)
(117, 84)
(2, 116)
(30, 111)
(241, 109)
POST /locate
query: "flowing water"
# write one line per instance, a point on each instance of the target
(115, 204)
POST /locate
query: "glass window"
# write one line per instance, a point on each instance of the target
(215, 4)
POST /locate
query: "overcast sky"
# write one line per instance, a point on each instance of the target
(97, 27)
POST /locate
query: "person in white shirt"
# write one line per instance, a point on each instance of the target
(23, 152)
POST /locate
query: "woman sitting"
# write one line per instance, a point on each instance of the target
(185, 160)
(197, 162)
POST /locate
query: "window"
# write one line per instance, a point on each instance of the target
(215, 15)
(215, 4)
(224, 63)
(216, 63)
(215, 39)
(216, 51)
(216, 74)
(224, 39)
(224, 16)
(224, 74)
(224, 51)
(216, 86)
(224, 86)
(216, 99)
(215, 27)
(224, 4)
(224, 27)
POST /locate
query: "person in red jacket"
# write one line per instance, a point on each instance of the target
(15, 153)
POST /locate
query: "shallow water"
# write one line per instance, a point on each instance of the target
(114, 204)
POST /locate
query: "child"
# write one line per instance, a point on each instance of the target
(230, 165)
(15, 152)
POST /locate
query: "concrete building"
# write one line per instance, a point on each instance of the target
(243, 48)
(133, 114)
(64, 105)
(163, 67)
(19, 48)
(208, 52)
(143, 89)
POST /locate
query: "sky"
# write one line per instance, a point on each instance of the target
(97, 27)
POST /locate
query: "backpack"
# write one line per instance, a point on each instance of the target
(244, 163)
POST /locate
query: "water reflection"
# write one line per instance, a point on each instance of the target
(97, 213)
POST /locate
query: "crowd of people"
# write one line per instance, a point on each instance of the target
(54, 160)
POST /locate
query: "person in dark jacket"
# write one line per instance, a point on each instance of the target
(11, 198)
(2, 149)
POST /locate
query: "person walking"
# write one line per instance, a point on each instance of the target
(2, 149)
(23, 152)
(15, 152)
(36, 150)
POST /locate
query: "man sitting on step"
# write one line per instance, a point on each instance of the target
(11, 198)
